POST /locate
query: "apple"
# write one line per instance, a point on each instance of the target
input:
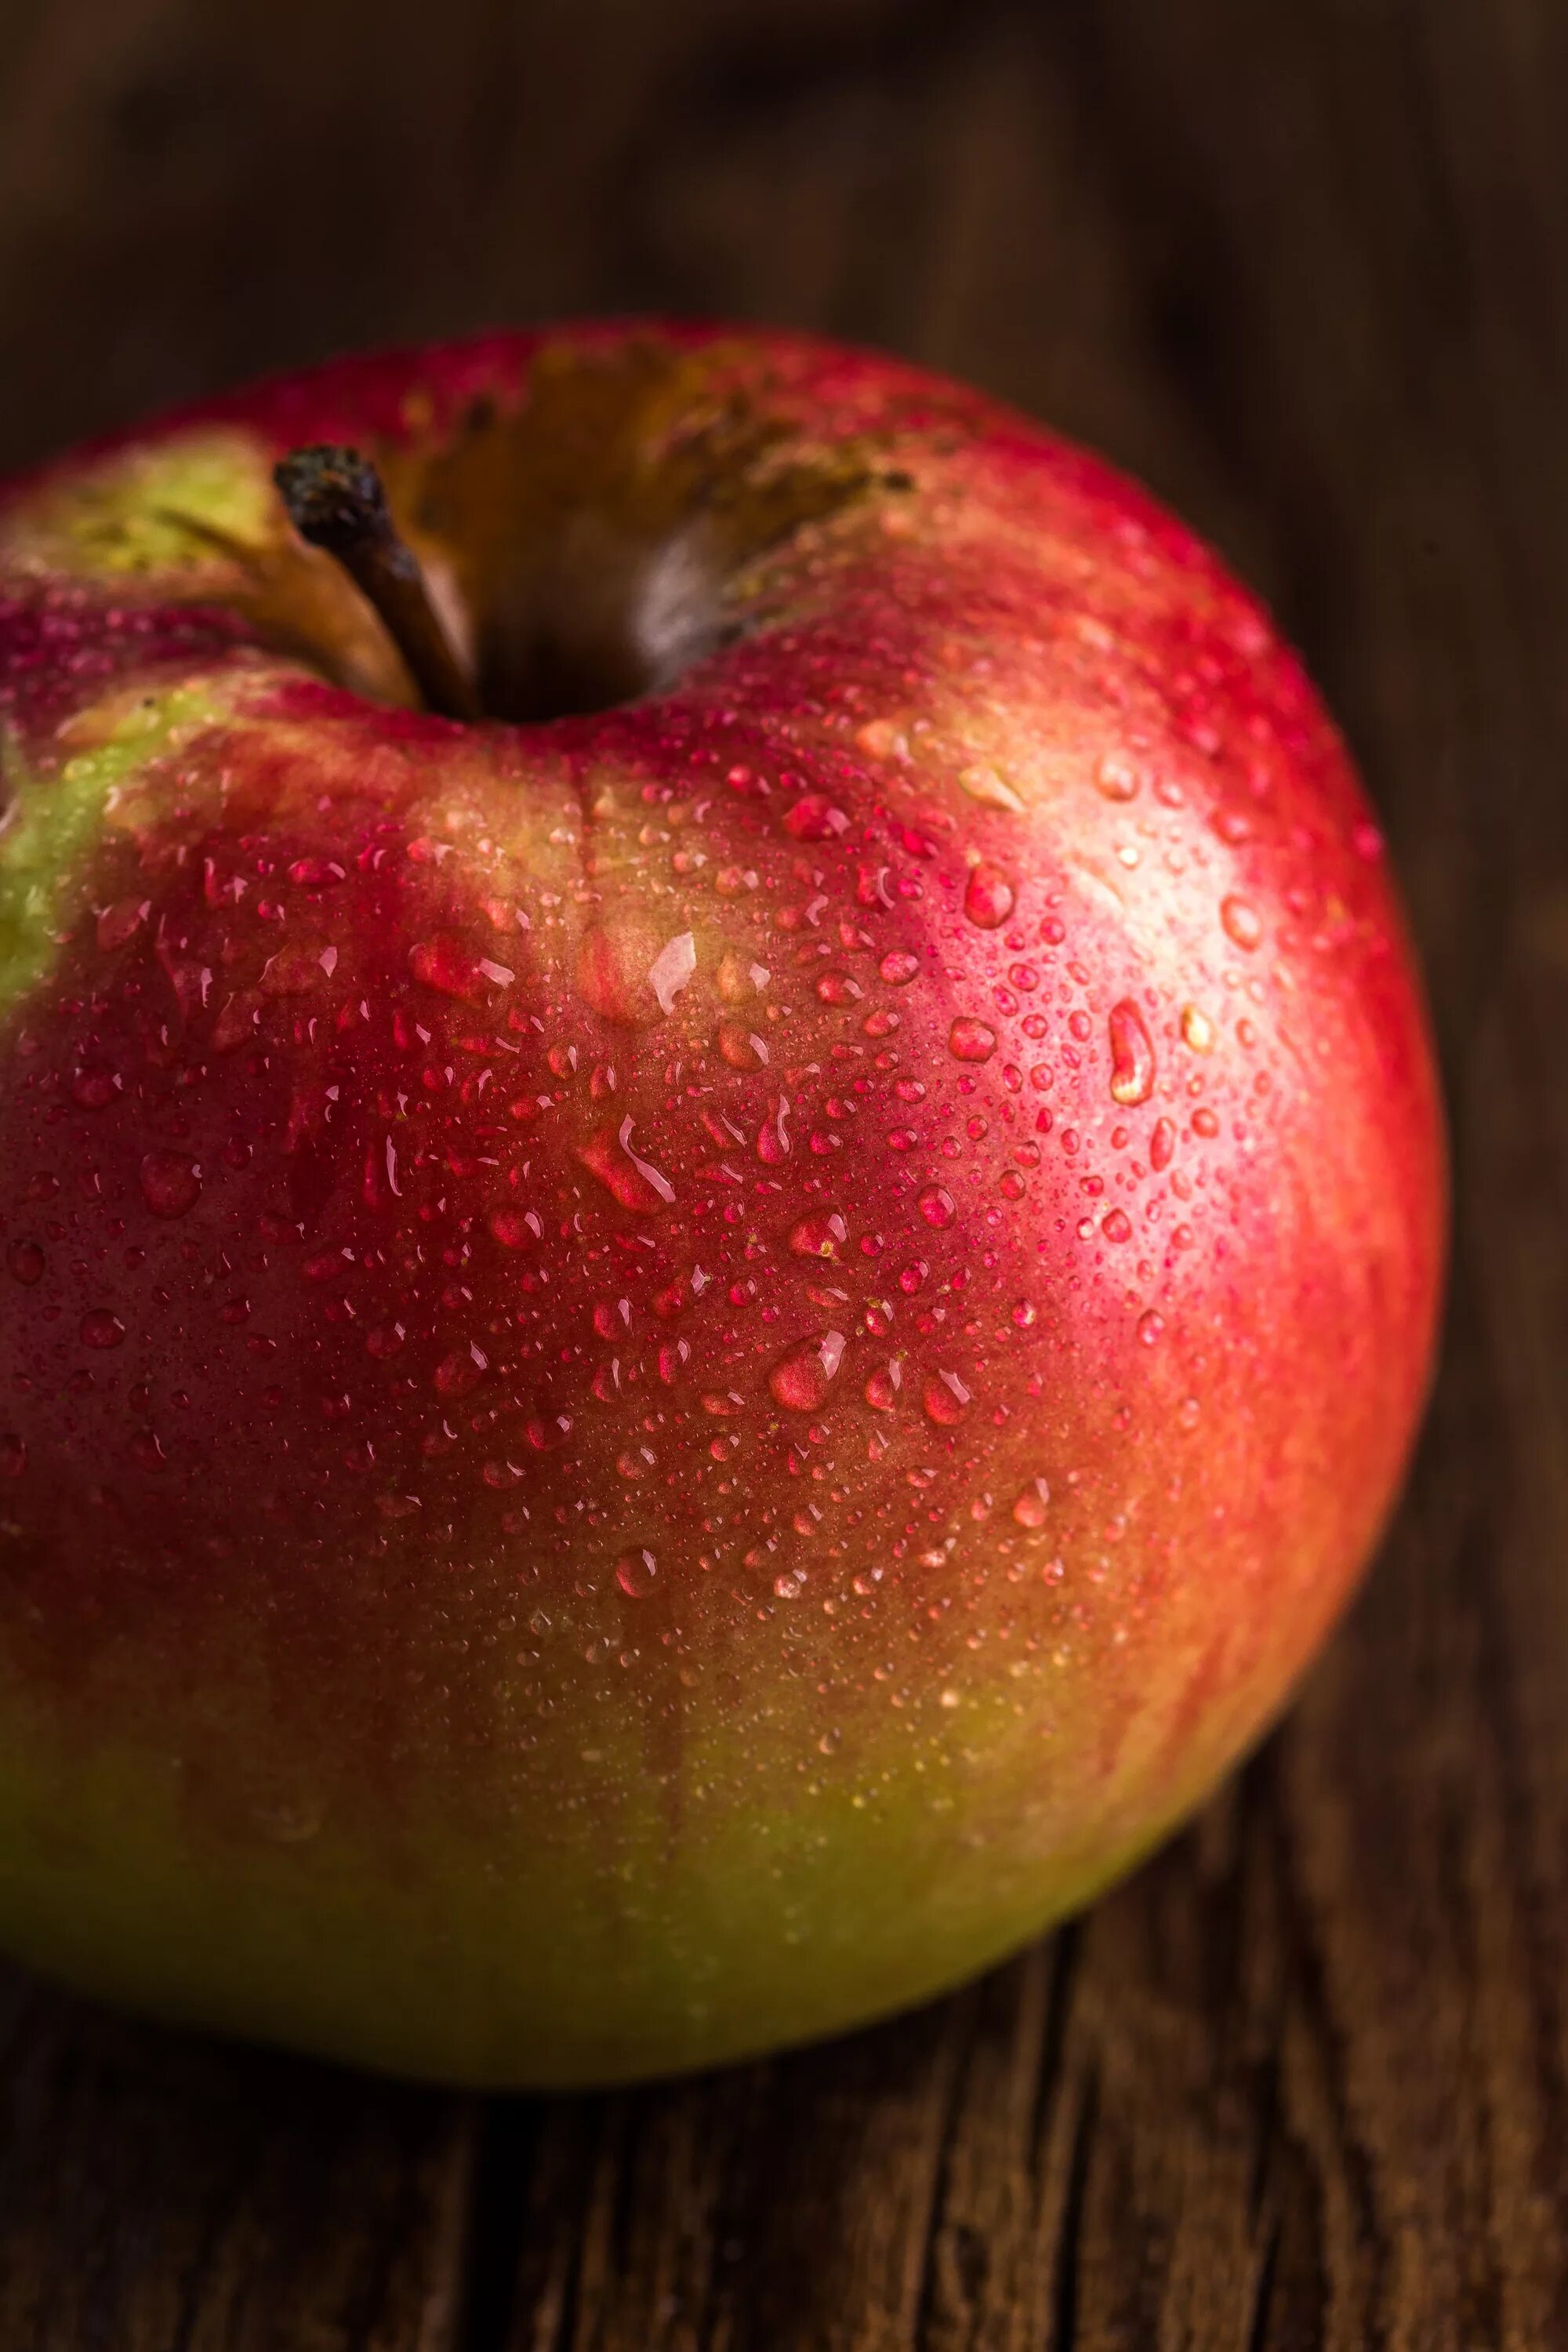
(720, 1189)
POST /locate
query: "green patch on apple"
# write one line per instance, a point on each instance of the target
(174, 506)
(54, 819)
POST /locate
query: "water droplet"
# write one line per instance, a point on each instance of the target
(946, 1400)
(742, 1047)
(614, 963)
(882, 1388)
(1030, 1506)
(982, 783)
(94, 1083)
(13, 1456)
(1205, 1123)
(936, 1206)
(1024, 1313)
(101, 1327)
(988, 896)
(515, 1228)
(444, 964)
(170, 1182)
(1197, 1029)
(637, 1572)
(814, 818)
(635, 1182)
(458, 1373)
(25, 1261)
(800, 1380)
(120, 922)
(1117, 777)
(773, 1136)
(898, 967)
(818, 1237)
(1150, 1325)
(1162, 1144)
(1117, 1226)
(1243, 924)
(971, 1041)
(672, 969)
(1131, 1055)
(293, 972)
(1189, 1413)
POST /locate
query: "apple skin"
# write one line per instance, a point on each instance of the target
(557, 1525)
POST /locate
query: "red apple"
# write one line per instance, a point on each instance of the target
(675, 1360)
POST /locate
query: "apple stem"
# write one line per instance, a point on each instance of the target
(336, 501)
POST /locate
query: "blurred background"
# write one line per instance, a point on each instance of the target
(1303, 266)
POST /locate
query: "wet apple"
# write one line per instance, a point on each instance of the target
(720, 1194)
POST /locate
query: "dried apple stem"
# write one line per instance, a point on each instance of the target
(336, 501)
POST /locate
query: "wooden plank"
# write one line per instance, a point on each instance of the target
(1304, 2080)
(161, 2194)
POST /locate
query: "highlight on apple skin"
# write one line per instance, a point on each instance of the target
(675, 1360)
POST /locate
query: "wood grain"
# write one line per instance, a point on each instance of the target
(1303, 2082)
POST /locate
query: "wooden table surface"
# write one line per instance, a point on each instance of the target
(1303, 265)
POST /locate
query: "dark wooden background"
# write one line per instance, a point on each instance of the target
(1303, 264)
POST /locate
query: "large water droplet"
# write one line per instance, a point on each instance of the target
(515, 1228)
(101, 1327)
(25, 1261)
(446, 965)
(1150, 1326)
(170, 1182)
(636, 1183)
(800, 1380)
(1117, 777)
(1162, 1144)
(461, 1372)
(672, 969)
(1197, 1029)
(613, 964)
(946, 1399)
(988, 896)
(637, 1572)
(818, 1237)
(773, 1136)
(815, 818)
(936, 1206)
(971, 1041)
(898, 967)
(1131, 1055)
(1030, 1506)
(982, 783)
(1243, 924)
(742, 1047)
(94, 1083)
